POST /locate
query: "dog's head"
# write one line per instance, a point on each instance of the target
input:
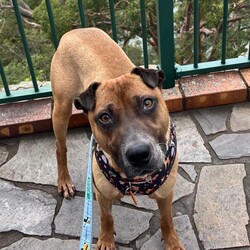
(129, 119)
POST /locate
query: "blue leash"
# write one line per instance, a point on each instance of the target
(86, 235)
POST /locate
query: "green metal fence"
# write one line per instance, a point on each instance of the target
(223, 63)
(166, 45)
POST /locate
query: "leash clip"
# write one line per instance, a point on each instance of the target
(129, 192)
(85, 246)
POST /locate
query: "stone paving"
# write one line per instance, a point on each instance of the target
(211, 201)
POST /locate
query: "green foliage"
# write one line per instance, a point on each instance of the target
(66, 16)
(211, 12)
(16, 71)
(135, 53)
(33, 3)
(12, 52)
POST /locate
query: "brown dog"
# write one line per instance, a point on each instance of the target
(129, 120)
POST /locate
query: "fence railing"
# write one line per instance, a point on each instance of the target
(166, 48)
(223, 63)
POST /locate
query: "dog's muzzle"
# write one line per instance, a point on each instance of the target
(139, 155)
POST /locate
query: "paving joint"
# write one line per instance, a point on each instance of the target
(183, 95)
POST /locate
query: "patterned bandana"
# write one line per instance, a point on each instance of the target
(144, 186)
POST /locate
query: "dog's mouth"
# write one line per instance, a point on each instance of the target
(141, 169)
(134, 173)
(145, 174)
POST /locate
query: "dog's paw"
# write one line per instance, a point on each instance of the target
(66, 188)
(173, 243)
(105, 245)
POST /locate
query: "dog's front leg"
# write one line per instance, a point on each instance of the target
(106, 237)
(60, 118)
(169, 235)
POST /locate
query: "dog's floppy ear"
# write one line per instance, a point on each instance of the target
(153, 78)
(86, 100)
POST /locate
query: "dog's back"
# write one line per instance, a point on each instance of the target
(84, 56)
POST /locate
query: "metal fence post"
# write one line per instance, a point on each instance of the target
(5, 83)
(25, 45)
(52, 23)
(81, 11)
(144, 32)
(113, 23)
(196, 33)
(224, 32)
(165, 19)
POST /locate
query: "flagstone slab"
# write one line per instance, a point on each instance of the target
(3, 155)
(143, 201)
(190, 143)
(189, 169)
(50, 244)
(129, 223)
(230, 146)
(182, 188)
(27, 211)
(154, 242)
(240, 117)
(184, 230)
(221, 214)
(35, 160)
(212, 120)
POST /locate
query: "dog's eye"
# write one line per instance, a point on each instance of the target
(105, 118)
(148, 103)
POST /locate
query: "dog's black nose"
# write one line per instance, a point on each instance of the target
(138, 154)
